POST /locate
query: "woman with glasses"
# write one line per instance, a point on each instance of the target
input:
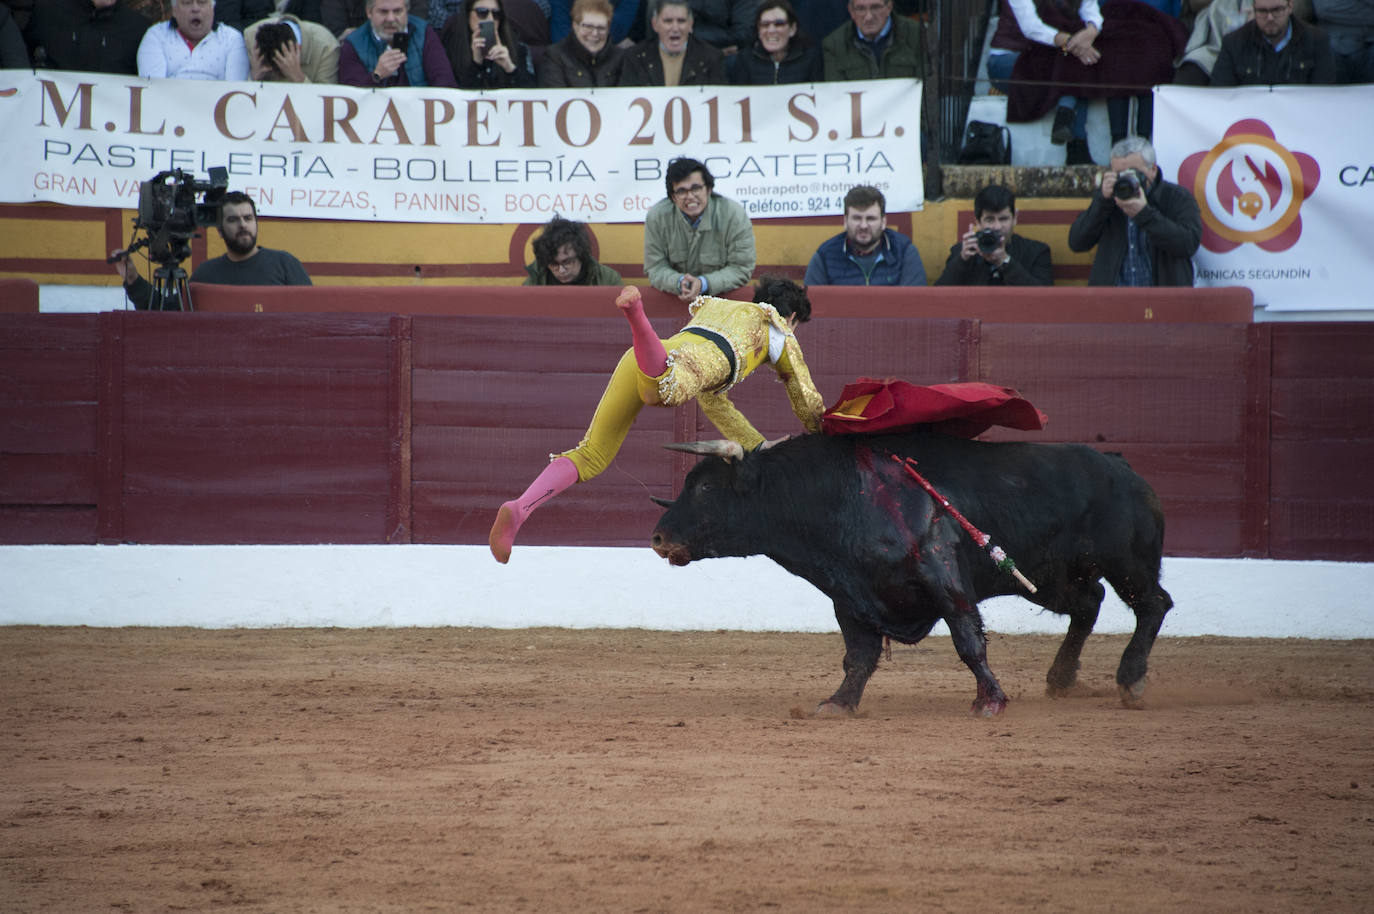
(721, 345)
(563, 257)
(780, 53)
(501, 63)
(586, 58)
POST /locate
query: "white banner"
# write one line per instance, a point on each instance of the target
(444, 155)
(1285, 180)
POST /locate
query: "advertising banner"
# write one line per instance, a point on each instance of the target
(1284, 177)
(447, 155)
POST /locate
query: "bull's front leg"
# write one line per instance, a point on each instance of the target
(862, 645)
(966, 626)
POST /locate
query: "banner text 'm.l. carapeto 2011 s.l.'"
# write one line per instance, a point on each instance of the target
(445, 155)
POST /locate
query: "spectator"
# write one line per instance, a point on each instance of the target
(98, 36)
(725, 24)
(874, 45)
(1274, 48)
(342, 16)
(563, 256)
(1350, 24)
(1145, 238)
(673, 57)
(780, 54)
(1113, 50)
(192, 45)
(14, 54)
(1218, 19)
(152, 10)
(501, 64)
(723, 343)
(586, 57)
(369, 55)
(240, 14)
(285, 49)
(242, 264)
(867, 252)
(625, 21)
(1000, 257)
(696, 241)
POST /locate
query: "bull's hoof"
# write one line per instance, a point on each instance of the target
(833, 709)
(1059, 691)
(1132, 696)
(990, 707)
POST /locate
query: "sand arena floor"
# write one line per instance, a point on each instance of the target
(294, 770)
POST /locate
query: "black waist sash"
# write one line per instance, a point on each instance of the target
(722, 344)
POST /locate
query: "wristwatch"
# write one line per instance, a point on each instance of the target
(376, 80)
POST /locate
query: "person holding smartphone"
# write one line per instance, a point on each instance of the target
(483, 51)
(393, 48)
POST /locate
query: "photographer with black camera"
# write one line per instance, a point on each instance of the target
(991, 253)
(1146, 230)
(282, 48)
(243, 263)
(394, 48)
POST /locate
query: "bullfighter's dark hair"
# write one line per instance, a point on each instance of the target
(786, 296)
(678, 169)
(863, 196)
(558, 232)
(993, 199)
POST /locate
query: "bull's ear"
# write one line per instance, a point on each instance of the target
(728, 450)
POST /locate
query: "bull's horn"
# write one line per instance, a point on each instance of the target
(730, 450)
(661, 502)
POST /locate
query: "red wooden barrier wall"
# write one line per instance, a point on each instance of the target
(279, 428)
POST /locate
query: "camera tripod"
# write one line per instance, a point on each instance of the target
(170, 289)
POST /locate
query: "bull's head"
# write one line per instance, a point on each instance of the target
(701, 521)
(727, 450)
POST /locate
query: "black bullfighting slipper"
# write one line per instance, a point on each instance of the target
(1062, 131)
(1078, 153)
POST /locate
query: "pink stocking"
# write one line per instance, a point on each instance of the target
(650, 355)
(557, 476)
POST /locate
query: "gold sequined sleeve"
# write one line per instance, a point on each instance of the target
(729, 420)
(806, 400)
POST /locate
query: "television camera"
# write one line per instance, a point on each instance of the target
(172, 205)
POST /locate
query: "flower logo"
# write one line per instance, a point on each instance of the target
(1250, 189)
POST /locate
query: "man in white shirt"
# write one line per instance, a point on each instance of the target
(191, 45)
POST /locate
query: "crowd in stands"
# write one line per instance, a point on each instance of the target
(1045, 55)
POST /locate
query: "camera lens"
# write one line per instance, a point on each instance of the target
(989, 240)
(1127, 185)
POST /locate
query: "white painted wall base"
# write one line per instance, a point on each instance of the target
(358, 586)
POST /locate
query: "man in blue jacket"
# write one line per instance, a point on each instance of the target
(867, 252)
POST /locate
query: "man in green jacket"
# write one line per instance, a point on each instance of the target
(697, 242)
(876, 45)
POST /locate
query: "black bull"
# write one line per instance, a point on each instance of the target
(842, 514)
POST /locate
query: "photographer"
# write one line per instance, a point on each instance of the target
(283, 48)
(242, 264)
(991, 253)
(1145, 229)
(393, 48)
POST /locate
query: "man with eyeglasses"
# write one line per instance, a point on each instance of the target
(695, 241)
(1274, 48)
(673, 56)
(192, 45)
(874, 45)
(563, 257)
(373, 55)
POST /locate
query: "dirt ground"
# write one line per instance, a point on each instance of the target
(404, 770)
